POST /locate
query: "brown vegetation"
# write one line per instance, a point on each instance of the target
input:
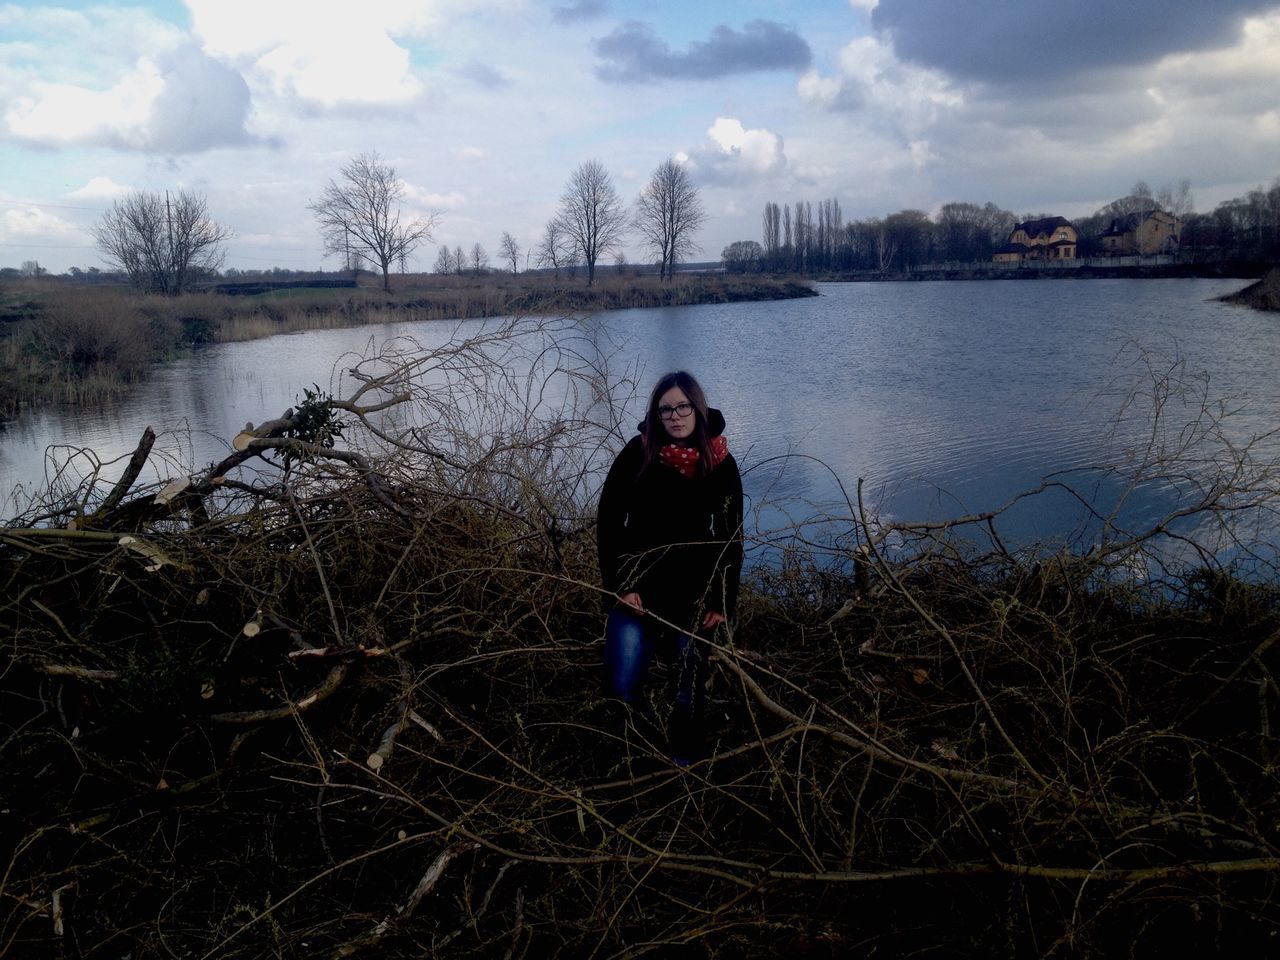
(1263, 295)
(349, 708)
(80, 345)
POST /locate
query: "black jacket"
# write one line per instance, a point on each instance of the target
(674, 540)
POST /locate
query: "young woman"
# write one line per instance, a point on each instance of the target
(670, 541)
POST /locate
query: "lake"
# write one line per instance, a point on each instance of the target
(945, 397)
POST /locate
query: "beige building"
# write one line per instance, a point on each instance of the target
(1049, 238)
(1152, 231)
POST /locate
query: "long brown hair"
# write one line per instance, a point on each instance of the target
(654, 431)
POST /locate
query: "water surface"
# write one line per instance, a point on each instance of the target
(944, 398)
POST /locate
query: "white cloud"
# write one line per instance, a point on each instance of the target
(321, 52)
(872, 79)
(815, 88)
(178, 102)
(38, 227)
(921, 154)
(117, 78)
(470, 153)
(241, 27)
(100, 188)
(733, 151)
(433, 201)
(63, 113)
(324, 51)
(1227, 75)
(360, 67)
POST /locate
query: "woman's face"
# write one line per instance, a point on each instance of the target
(677, 414)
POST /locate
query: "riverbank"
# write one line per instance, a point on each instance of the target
(1263, 295)
(78, 344)
(346, 714)
(1094, 269)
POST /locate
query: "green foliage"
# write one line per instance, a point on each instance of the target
(314, 421)
(196, 331)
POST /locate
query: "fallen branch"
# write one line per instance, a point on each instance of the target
(127, 479)
(318, 695)
(388, 741)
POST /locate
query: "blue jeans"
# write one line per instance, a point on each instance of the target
(630, 644)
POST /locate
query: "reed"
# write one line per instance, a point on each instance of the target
(61, 343)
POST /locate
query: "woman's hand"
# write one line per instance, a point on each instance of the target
(632, 600)
(711, 620)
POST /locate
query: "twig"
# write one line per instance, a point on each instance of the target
(127, 479)
(72, 670)
(319, 694)
(434, 873)
(388, 741)
(955, 650)
(56, 909)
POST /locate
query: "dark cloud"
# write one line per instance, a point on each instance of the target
(579, 10)
(634, 53)
(1038, 43)
(484, 75)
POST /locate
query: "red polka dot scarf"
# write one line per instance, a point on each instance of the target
(685, 459)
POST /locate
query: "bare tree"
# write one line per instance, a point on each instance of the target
(479, 259)
(886, 244)
(742, 256)
(555, 249)
(1176, 199)
(772, 221)
(444, 261)
(359, 215)
(509, 250)
(966, 231)
(591, 214)
(803, 221)
(459, 260)
(668, 212)
(160, 241)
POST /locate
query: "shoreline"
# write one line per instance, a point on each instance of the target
(64, 343)
(1263, 295)
(1231, 269)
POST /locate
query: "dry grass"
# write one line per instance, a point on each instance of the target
(86, 344)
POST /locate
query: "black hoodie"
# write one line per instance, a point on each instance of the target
(675, 540)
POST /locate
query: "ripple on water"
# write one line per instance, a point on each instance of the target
(942, 395)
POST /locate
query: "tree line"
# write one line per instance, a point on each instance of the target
(592, 221)
(802, 238)
(163, 243)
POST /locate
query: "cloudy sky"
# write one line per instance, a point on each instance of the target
(485, 107)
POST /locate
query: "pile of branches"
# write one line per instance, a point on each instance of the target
(348, 706)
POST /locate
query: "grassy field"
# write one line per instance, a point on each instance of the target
(75, 344)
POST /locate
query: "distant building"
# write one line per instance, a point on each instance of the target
(1152, 231)
(1049, 238)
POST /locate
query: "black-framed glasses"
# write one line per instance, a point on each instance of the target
(679, 410)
